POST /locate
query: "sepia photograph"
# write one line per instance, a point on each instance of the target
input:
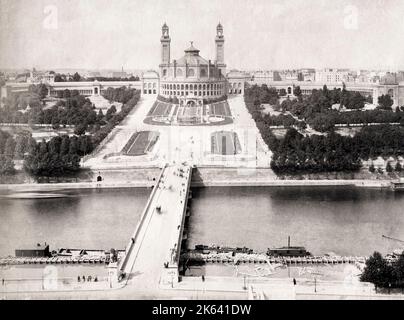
(231, 150)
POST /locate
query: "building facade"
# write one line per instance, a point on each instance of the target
(192, 78)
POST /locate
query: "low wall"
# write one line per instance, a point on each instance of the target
(237, 177)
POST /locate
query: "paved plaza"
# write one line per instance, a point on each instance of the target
(184, 143)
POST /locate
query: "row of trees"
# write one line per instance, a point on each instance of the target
(332, 152)
(382, 273)
(316, 109)
(15, 148)
(116, 118)
(11, 149)
(326, 121)
(74, 109)
(122, 94)
(59, 156)
(63, 78)
(389, 168)
(261, 94)
(77, 77)
(296, 153)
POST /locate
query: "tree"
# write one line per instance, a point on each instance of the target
(297, 91)
(80, 129)
(66, 93)
(385, 102)
(389, 168)
(377, 271)
(398, 271)
(398, 167)
(110, 112)
(20, 147)
(60, 78)
(64, 145)
(372, 168)
(73, 147)
(9, 147)
(76, 77)
(6, 165)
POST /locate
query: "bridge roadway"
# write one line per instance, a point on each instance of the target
(152, 255)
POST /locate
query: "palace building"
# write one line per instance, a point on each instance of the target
(192, 79)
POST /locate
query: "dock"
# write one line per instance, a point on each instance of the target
(238, 258)
(78, 256)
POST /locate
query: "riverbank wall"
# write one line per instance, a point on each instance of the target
(262, 177)
(202, 177)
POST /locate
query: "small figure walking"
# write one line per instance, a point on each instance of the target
(89, 278)
(84, 279)
(95, 279)
(294, 281)
(203, 278)
(3, 281)
(78, 278)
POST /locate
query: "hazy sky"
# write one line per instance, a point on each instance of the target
(259, 34)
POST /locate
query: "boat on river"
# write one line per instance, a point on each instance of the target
(288, 251)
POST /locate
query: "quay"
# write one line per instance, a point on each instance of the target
(237, 258)
(77, 256)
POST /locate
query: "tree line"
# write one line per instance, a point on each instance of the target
(316, 109)
(61, 155)
(122, 94)
(382, 273)
(12, 149)
(320, 153)
(60, 77)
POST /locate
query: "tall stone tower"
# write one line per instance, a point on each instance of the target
(165, 45)
(220, 49)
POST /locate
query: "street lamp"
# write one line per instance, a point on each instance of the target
(315, 284)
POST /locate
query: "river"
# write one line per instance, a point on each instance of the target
(343, 220)
(88, 219)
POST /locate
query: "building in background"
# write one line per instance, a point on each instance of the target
(328, 75)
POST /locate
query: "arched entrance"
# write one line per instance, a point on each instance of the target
(95, 90)
(191, 103)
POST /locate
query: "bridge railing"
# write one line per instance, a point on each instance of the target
(181, 230)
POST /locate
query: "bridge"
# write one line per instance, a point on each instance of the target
(153, 252)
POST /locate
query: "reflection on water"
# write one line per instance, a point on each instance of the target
(343, 220)
(92, 219)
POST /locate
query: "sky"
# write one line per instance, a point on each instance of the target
(259, 34)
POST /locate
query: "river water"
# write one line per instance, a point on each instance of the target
(88, 219)
(344, 220)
